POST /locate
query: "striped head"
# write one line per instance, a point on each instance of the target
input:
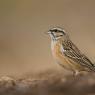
(57, 33)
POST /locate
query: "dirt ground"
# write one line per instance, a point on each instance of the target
(48, 83)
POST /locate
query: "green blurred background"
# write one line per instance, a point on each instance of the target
(24, 46)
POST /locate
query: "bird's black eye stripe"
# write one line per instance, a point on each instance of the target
(55, 30)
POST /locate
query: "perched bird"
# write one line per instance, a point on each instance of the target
(67, 54)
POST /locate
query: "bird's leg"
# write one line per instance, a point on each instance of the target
(76, 73)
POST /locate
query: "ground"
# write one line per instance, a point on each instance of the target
(48, 83)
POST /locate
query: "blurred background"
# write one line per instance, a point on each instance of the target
(24, 46)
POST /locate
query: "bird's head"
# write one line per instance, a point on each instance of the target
(57, 33)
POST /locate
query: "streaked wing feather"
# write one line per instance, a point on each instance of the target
(72, 52)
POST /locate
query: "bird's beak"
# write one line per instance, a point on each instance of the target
(48, 32)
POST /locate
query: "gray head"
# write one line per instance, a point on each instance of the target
(57, 33)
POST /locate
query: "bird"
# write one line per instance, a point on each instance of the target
(67, 54)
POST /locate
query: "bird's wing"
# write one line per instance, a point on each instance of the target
(72, 52)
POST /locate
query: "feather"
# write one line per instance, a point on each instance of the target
(72, 52)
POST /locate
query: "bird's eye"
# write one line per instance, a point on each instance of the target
(55, 30)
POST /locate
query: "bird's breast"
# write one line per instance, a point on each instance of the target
(55, 46)
(58, 54)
